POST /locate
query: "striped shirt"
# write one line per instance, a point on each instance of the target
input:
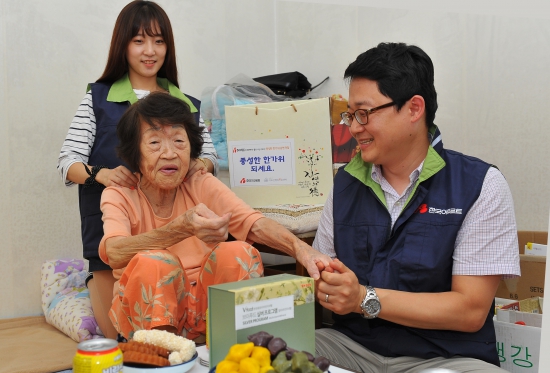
(81, 136)
(486, 243)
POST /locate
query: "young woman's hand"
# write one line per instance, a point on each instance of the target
(202, 165)
(119, 176)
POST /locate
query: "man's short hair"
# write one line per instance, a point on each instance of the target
(157, 109)
(401, 72)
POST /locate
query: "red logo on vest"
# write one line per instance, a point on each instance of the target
(422, 209)
(243, 181)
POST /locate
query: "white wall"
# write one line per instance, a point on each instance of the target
(491, 62)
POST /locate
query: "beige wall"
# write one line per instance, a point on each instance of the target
(491, 74)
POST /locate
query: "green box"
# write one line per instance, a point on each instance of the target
(233, 306)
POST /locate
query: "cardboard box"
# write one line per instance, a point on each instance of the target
(531, 236)
(282, 305)
(518, 346)
(512, 317)
(531, 282)
(533, 268)
(535, 249)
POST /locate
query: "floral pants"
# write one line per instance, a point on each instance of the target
(154, 291)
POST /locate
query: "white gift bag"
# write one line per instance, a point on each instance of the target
(280, 152)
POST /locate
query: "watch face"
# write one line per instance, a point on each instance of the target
(372, 306)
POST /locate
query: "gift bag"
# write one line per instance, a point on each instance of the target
(280, 152)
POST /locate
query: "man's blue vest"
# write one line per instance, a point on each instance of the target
(107, 115)
(416, 255)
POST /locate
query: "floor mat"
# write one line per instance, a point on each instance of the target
(30, 345)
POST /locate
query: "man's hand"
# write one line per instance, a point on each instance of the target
(205, 224)
(119, 176)
(345, 294)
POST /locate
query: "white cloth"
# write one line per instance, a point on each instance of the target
(486, 243)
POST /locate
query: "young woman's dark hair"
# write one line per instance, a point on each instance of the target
(138, 15)
(401, 72)
(157, 109)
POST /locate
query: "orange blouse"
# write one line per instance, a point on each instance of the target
(127, 212)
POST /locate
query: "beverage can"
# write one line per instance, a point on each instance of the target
(100, 355)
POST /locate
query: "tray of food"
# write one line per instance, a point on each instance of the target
(158, 351)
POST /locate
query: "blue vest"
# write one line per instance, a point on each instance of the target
(414, 256)
(107, 115)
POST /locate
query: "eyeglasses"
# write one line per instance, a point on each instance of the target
(362, 115)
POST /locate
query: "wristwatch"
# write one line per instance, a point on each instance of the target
(370, 306)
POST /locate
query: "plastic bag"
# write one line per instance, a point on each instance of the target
(241, 90)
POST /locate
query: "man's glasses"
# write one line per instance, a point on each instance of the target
(362, 115)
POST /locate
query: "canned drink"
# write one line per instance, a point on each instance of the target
(98, 356)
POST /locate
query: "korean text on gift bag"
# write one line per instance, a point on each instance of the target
(280, 152)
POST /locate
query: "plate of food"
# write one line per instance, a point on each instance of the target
(158, 351)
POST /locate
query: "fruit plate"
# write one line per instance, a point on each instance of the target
(180, 368)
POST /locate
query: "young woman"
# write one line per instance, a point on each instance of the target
(141, 60)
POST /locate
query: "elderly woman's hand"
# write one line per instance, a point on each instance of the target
(198, 221)
(206, 225)
(314, 261)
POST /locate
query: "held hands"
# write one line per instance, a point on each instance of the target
(345, 294)
(312, 260)
(119, 176)
(206, 225)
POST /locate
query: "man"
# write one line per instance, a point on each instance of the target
(422, 235)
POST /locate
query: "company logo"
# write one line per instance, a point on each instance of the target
(244, 181)
(433, 210)
(423, 208)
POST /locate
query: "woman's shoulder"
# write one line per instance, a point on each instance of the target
(120, 195)
(200, 180)
(204, 186)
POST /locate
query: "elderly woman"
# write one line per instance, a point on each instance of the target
(165, 239)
